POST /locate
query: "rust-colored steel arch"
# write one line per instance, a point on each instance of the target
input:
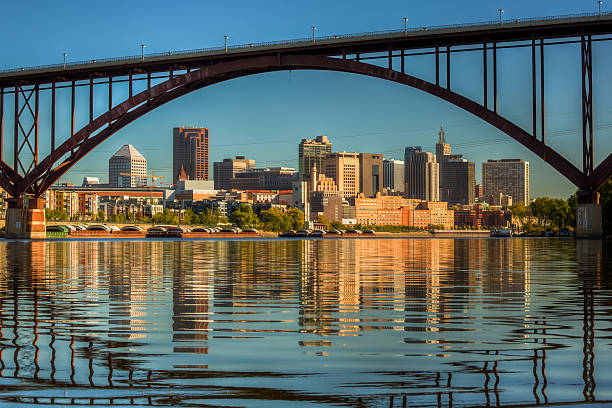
(45, 174)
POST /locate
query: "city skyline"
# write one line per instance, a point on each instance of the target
(272, 112)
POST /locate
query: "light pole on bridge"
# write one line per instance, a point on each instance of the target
(313, 28)
(142, 47)
(599, 3)
(500, 11)
(226, 37)
(64, 55)
(405, 25)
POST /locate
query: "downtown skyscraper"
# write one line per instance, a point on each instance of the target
(421, 174)
(508, 177)
(311, 154)
(457, 175)
(190, 153)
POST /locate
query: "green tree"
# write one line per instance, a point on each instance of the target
(244, 217)
(519, 211)
(323, 220)
(275, 220)
(100, 216)
(541, 208)
(189, 217)
(166, 217)
(296, 216)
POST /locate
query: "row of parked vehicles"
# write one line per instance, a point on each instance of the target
(68, 228)
(212, 230)
(322, 233)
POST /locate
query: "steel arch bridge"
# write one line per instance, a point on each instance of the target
(177, 74)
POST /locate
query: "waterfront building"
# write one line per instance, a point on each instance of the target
(193, 190)
(224, 171)
(190, 153)
(268, 178)
(73, 202)
(381, 209)
(343, 167)
(457, 175)
(90, 182)
(421, 174)
(429, 213)
(127, 160)
(327, 204)
(370, 173)
(393, 175)
(477, 216)
(311, 154)
(507, 176)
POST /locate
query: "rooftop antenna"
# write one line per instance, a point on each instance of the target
(441, 135)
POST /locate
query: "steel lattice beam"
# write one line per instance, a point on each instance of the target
(31, 176)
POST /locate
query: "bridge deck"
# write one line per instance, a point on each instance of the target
(427, 37)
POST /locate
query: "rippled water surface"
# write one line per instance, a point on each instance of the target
(366, 322)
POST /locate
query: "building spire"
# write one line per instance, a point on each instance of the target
(441, 138)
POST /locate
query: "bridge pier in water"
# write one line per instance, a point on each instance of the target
(25, 218)
(589, 221)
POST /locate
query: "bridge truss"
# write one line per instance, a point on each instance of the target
(147, 82)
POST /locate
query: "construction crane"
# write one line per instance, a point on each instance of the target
(151, 176)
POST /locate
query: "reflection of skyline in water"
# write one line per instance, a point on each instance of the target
(487, 322)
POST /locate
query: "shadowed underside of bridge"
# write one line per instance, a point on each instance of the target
(29, 175)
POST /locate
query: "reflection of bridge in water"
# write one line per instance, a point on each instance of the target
(55, 341)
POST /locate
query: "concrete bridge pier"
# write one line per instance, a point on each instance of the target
(25, 218)
(588, 215)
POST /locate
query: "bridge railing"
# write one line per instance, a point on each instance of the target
(305, 40)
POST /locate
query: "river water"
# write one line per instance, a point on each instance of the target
(333, 322)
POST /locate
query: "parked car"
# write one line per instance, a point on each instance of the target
(156, 229)
(177, 229)
(199, 229)
(58, 228)
(131, 228)
(98, 227)
(302, 233)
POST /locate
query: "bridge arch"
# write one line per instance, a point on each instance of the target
(86, 139)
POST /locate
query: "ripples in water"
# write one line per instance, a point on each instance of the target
(376, 322)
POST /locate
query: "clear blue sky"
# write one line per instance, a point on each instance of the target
(265, 116)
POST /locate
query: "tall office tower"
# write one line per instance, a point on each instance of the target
(225, 170)
(344, 169)
(457, 181)
(421, 174)
(190, 153)
(509, 177)
(370, 173)
(127, 160)
(311, 154)
(393, 174)
(457, 175)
